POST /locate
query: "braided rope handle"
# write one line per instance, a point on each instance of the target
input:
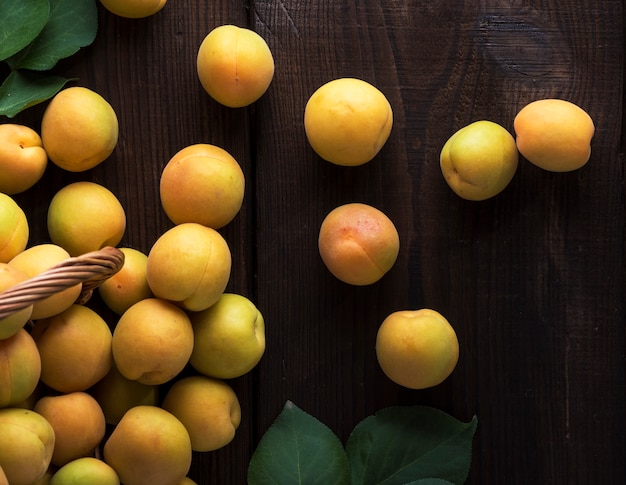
(91, 269)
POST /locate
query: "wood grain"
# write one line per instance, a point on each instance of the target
(532, 280)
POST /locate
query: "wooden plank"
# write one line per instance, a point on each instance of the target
(538, 311)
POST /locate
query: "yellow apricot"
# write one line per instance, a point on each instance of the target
(133, 9)
(228, 337)
(186, 481)
(75, 349)
(149, 446)
(554, 134)
(20, 369)
(26, 445)
(235, 65)
(347, 121)
(14, 230)
(9, 277)
(129, 285)
(479, 160)
(202, 183)
(22, 158)
(208, 408)
(358, 243)
(78, 423)
(79, 129)
(190, 265)
(152, 341)
(34, 261)
(85, 470)
(417, 349)
(85, 216)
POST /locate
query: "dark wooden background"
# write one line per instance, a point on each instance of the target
(532, 280)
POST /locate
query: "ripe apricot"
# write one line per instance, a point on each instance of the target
(208, 408)
(87, 469)
(34, 261)
(9, 326)
(347, 121)
(190, 265)
(22, 158)
(152, 341)
(129, 285)
(14, 230)
(235, 65)
(554, 134)
(149, 445)
(85, 216)
(417, 349)
(26, 445)
(78, 423)
(228, 337)
(133, 9)
(358, 243)
(479, 160)
(75, 349)
(202, 183)
(20, 368)
(79, 129)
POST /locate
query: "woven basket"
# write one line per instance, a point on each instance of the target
(90, 269)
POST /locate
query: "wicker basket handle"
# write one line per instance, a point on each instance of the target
(91, 269)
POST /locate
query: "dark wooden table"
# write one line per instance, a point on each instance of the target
(532, 280)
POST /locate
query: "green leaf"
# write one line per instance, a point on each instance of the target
(20, 22)
(72, 24)
(402, 444)
(23, 89)
(298, 449)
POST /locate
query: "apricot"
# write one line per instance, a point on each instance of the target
(84, 217)
(79, 129)
(23, 160)
(417, 349)
(358, 243)
(229, 337)
(202, 183)
(75, 349)
(9, 277)
(34, 261)
(554, 134)
(186, 481)
(479, 160)
(20, 368)
(208, 408)
(190, 265)
(85, 470)
(26, 446)
(14, 230)
(116, 394)
(129, 285)
(78, 423)
(347, 121)
(152, 341)
(149, 445)
(235, 65)
(133, 9)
